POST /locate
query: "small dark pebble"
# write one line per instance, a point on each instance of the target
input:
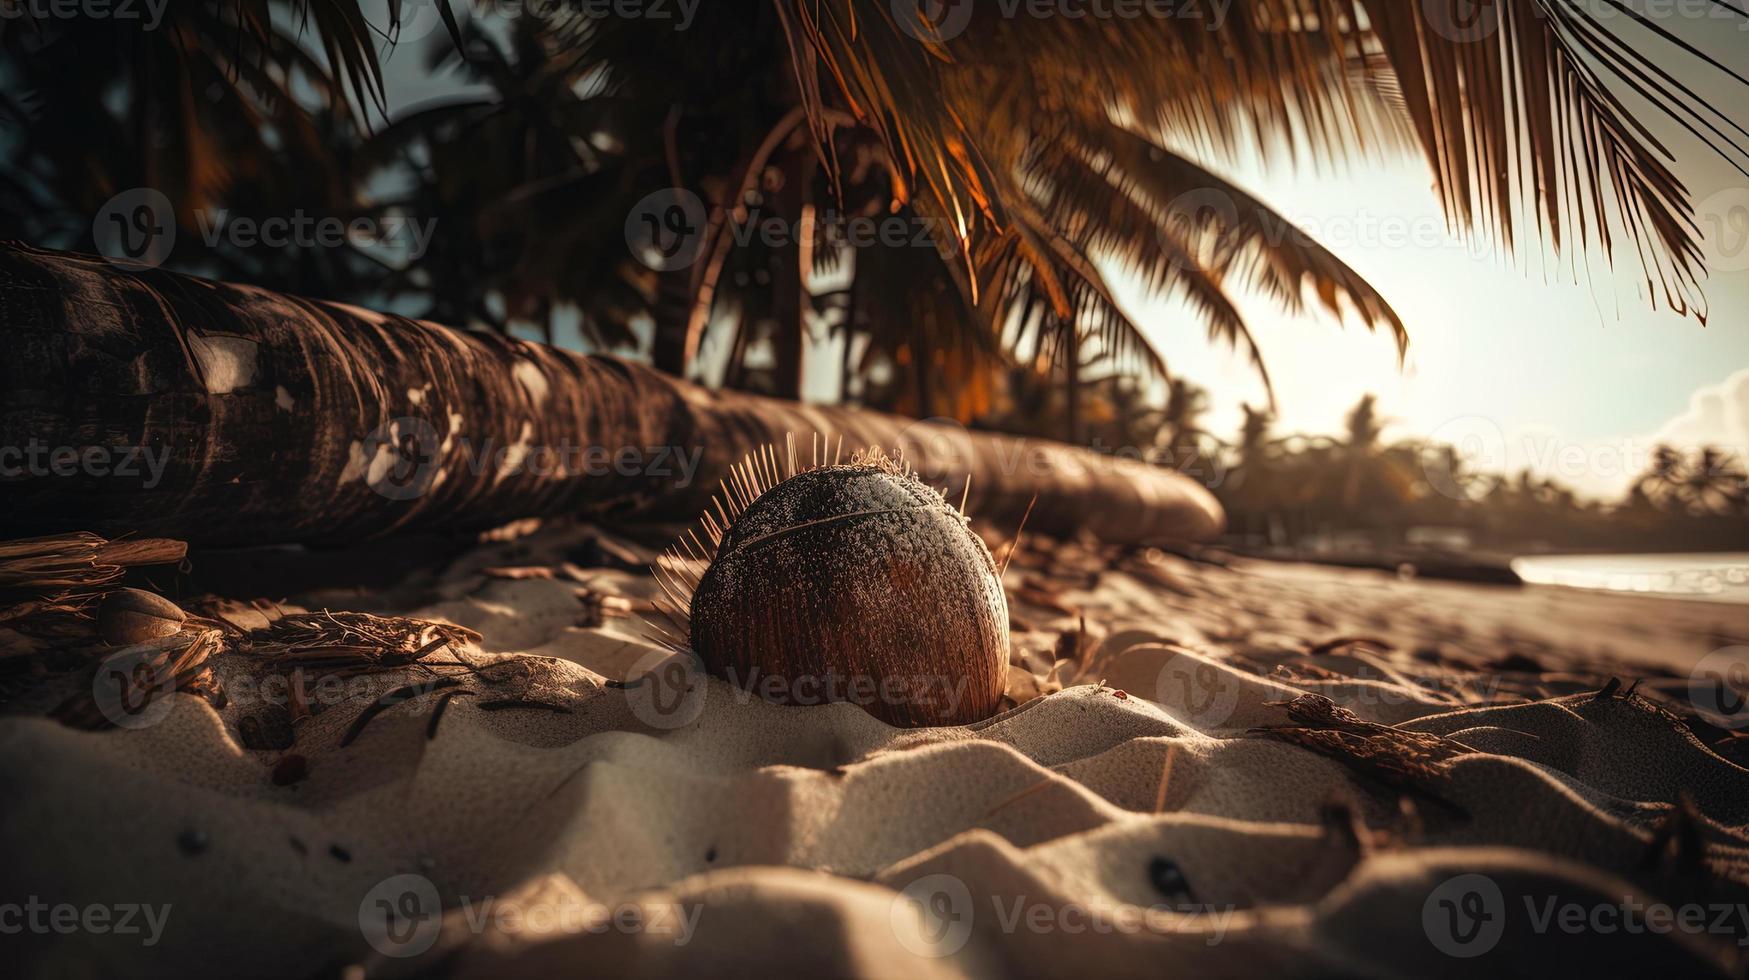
(1519, 663)
(192, 842)
(290, 769)
(340, 853)
(710, 855)
(269, 729)
(1169, 880)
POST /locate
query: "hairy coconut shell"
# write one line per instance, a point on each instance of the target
(861, 584)
(130, 616)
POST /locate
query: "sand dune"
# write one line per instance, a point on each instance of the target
(1124, 816)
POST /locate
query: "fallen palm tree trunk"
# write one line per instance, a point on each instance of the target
(149, 402)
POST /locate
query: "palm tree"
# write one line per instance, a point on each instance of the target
(1714, 484)
(1048, 143)
(297, 420)
(1363, 478)
(207, 107)
(1181, 426)
(1044, 154)
(1252, 492)
(1662, 485)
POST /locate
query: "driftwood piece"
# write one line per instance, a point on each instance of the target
(151, 402)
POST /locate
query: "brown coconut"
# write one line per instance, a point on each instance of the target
(856, 583)
(130, 616)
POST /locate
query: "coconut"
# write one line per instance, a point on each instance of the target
(130, 616)
(856, 583)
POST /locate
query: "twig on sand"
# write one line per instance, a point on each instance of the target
(399, 695)
(1413, 762)
(1165, 777)
(437, 712)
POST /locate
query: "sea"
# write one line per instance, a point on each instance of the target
(1720, 577)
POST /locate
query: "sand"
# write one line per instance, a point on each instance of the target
(1457, 772)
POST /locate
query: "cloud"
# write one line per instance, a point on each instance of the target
(1718, 415)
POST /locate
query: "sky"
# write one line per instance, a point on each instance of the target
(1515, 361)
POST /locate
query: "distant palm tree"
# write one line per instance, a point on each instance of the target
(1253, 492)
(1714, 484)
(1662, 485)
(1181, 425)
(1364, 477)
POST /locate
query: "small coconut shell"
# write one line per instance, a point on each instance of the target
(130, 616)
(861, 584)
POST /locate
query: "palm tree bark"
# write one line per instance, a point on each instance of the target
(671, 311)
(156, 403)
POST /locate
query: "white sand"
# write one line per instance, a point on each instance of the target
(720, 835)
